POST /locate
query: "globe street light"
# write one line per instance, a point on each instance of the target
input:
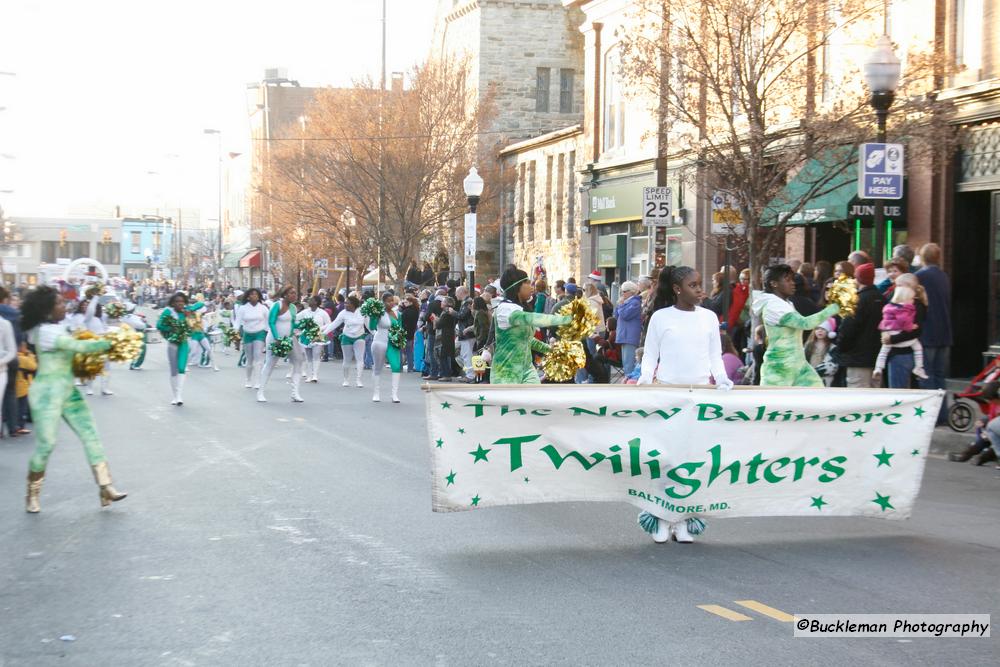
(882, 70)
(473, 185)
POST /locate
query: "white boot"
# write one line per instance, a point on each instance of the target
(347, 376)
(173, 389)
(256, 373)
(105, 389)
(360, 368)
(90, 388)
(296, 398)
(681, 533)
(265, 376)
(376, 381)
(662, 533)
(395, 387)
(178, 394)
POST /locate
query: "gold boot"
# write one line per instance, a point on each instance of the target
(103, 477)
(35, 480)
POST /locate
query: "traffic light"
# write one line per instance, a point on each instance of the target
(63, 236)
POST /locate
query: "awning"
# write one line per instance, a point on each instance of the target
(832, 194)
(251, 260)
(231, 260)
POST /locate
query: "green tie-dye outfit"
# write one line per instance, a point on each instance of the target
(785, 362)
(53, 396)
(516, 342)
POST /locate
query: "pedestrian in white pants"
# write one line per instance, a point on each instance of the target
(314, 351)
(281, 324)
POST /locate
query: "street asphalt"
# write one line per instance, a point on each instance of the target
(301, 534)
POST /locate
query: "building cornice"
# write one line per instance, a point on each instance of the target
(542, 140)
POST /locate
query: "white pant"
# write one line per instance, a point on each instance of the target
(465, 351)
(296, 356)
(355, 353)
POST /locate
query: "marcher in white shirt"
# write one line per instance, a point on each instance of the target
(682, 347)
(250, 319)
(314, 350)
(352, 340)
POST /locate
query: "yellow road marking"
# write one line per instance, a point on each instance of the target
(727, 614)
(776, 614)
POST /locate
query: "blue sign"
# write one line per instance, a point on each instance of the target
(880, 171)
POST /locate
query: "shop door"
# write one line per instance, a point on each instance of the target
(973, 280)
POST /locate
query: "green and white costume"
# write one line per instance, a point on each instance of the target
(785, 362)
(53, 396)
(282, 325)
(382, 351)
(177, 353)
(516, 342)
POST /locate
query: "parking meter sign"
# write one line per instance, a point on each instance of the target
(880, 171)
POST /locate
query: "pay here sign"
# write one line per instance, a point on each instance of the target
(880, 171)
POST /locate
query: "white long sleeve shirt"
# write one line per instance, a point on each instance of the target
(252, 318)
(354, 324)
(320, 316)
(683, 347)
(8, 344)
(382, 329)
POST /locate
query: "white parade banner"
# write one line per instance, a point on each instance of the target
(681, 452)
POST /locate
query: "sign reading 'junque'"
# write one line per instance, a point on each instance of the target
(681, 452)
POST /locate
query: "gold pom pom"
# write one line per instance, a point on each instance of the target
(584, 323)
(843, 292)
(87, 366)
(564, 359)
(126, 344)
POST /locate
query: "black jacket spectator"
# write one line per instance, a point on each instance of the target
(409, 316)
(859, 338)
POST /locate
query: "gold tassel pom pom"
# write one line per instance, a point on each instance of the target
(843, 292)
(126, 344)
(87, 366)
(584, 323)
(564, 359)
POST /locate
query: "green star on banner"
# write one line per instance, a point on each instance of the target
(919, 412)
(475, 500)
(526, 479)
(482, 398)
(883, 458)
(480, 454)
(818, 502)
(445, 405)
(882, 501)
(896, 403)
(450, 478)
(915, 452)
(439, 442)
(462, 431)
(859, 433)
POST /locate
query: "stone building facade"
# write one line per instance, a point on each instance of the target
(528, 54)
(541, 203)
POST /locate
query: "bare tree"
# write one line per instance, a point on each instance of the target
(378, 172)
(739, 93)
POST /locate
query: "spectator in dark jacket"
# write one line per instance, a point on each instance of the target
(413, 275)
(408, 317)
(802, 301)
(445, 326)
(10, 411)
(859, 336)
(936, 333)
(427, 275)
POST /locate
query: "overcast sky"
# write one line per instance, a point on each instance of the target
(108, 90)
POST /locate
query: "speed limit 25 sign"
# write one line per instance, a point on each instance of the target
(656, 207)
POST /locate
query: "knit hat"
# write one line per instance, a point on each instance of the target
(595, 275)
(831, 327)
(865, 274)
(571, 288)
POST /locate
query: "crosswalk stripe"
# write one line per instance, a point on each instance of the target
(727, 614)
(776, 614)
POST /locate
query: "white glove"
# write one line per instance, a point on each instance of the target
(724, 384)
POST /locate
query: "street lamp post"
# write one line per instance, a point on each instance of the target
(882, 70)
(218, 184)
(473, 185)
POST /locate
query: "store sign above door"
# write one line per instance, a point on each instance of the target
(880, 171)
(616, 203)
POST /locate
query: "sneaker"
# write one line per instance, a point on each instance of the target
(107, 392)
(681, 534)
(261, 398)
(90, 391)
(346, 384)
(920, 373)
(248, 385)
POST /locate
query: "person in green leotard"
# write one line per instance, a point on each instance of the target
(785, 362)
(515, 332)
(53, 397)
(177, 343)
(382, 348)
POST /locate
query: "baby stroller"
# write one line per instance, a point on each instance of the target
(980, 396)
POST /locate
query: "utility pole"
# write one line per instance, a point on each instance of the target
(381, 158)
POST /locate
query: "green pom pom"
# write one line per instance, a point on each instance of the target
(397, 335)
(179, 330)
(281, 347)
(372, 307)
(696, 526)
(309, 330)
(648, 522)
